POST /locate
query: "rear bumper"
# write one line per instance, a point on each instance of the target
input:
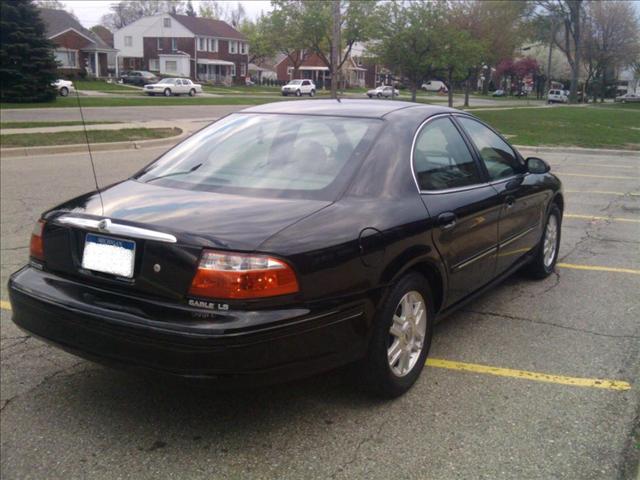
(273, 345)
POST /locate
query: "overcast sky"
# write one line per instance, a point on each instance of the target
(90, 11)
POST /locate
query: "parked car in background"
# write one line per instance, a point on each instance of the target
(64, 87)
(383, 91)
(173, 86)
(291, 238)
(299, 88)
(499, 93)
(558, 96)
(138, 77)
(434, 86)
(628, 98)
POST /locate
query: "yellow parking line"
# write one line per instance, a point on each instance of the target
(527, 375)
(604, 192)
(597, 268)
(612, 177)
(594, 217)
(4, 305)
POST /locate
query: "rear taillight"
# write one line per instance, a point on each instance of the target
(242, 276)
(36, 248)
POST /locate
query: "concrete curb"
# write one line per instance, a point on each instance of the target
(584, 151)
(95, 147)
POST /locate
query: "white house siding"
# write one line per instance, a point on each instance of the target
(146, 27)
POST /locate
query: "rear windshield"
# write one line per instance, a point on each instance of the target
(271, 155)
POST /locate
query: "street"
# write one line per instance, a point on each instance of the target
(63, 417)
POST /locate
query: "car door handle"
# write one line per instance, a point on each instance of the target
(509, 201)
(447, 220)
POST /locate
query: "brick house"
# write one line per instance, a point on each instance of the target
(314, 68)
(203, 49)
(77, 48)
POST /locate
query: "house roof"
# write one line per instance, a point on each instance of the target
(209, 27)
(59, 21)
(104, 33)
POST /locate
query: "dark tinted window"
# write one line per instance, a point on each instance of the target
(441, 158)
(499, 158)
(267, 155)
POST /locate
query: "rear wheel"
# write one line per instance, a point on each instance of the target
(298, 93)
(401, 337)
(64, 91)
(167, 92)
(379, 95)
(312, 93)
(546, 256)
(192, 92)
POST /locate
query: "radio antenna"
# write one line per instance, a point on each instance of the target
(86, 137)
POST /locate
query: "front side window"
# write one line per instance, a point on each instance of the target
(243, 70)
(233, 47)
(67, 58)
(201, 44)
(271, 155)
(233, 70)
(159, 43)
(499, 158)
(154, 64)
(441, 159)
(174, 44)
(128, 41)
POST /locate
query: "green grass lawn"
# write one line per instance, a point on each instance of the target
(588, 127)
(142, 101)
(101, 86)
(49, 124)
(95, 136)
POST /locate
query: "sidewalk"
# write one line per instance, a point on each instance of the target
(186, 126)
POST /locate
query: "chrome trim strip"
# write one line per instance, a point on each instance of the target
(107, 226)
(479, 256)
(517, 236)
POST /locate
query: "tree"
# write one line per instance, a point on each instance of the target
(410, 38)
(285, 33)
(569, 37)
(257, 33)
(190, 11)
(611, 39)
(27, 65)
(213, 9)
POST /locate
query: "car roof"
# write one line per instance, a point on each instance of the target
(344, 108)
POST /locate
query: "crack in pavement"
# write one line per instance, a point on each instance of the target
(356, 451)
(551, 324)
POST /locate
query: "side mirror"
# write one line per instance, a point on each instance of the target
(537, 165)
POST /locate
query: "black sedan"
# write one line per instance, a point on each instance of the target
(292, 238)
(138, 77)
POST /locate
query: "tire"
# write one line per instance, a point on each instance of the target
(167, 92)
(370, 96)
(298, 93)
(64, 92)
(380, 373)
(192, 92)
(546, 255)
(379, 95)
(284, 94)
(312, 93)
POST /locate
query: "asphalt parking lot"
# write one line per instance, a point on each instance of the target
(562, 402)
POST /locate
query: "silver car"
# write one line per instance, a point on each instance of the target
(628, 98)
(383, 91)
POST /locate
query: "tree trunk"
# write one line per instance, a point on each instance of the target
(450, 85)
(467, 87)
(335, 48)
(575, 67)
(603, 85)
(414, 89)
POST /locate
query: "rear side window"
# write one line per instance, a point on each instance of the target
(499, 158)
(271, 155)
(441, 159)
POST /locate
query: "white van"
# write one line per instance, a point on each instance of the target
(434, 86)
(557, 96)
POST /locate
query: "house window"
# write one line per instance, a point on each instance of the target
(159, 43)
(167, 23)
(67, 58)
(154, 64)
(233, 70)
(174, 44)
(171, 66)
(233, 47)
(243, 70)
(202, 42)
(243, 48)
(128, 41)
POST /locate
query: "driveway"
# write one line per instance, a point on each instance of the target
(543, 412)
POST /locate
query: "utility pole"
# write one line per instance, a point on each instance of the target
(335, 49)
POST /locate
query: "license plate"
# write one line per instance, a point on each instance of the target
(109, 255)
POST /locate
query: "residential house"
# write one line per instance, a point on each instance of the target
(77, 48)
(107, 37)
(314, 68)
(179, 45)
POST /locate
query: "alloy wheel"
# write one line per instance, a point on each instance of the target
(550, 241)
(407, 333)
